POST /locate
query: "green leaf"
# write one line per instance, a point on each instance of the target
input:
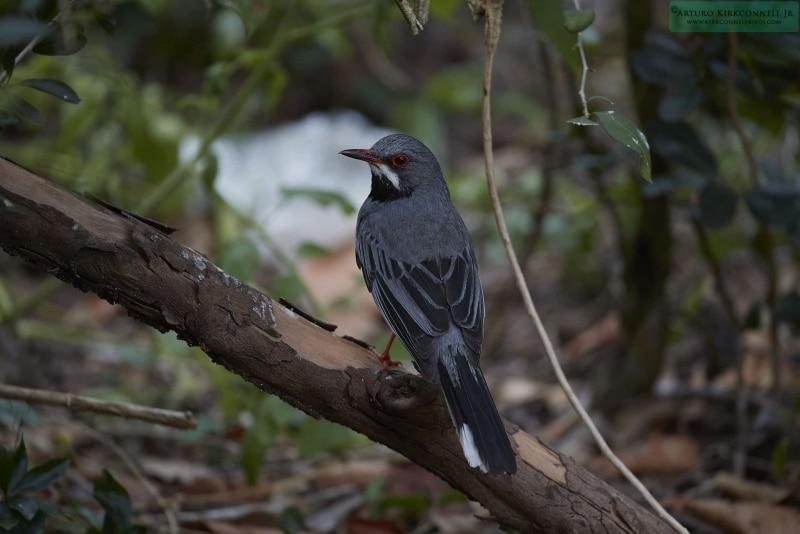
(270, 416)
(115, 501)
(582, 121)
(623, 130)
(43, 475)
(254, 443)
(316, 436)
(413, 504)
(717, 204)
(312, 250)
(289, 286)
(321, 197)
(56, 88)
(577, 20)
(239, 258)
(548, 17)
(779, 455)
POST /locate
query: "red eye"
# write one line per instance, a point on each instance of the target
(400, 160)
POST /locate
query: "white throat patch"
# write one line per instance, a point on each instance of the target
(387, 173)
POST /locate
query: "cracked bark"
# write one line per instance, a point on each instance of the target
(171, 287)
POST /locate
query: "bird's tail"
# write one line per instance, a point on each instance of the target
(480, 429)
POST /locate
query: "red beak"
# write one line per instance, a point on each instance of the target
(361, 154)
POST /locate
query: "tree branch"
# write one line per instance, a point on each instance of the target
(172, 287)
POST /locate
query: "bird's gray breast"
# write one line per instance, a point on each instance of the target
(412, 229)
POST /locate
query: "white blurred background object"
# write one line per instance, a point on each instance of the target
(255, 169)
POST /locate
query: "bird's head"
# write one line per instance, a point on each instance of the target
(399, 164)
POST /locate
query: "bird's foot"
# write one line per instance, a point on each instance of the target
(385, 359)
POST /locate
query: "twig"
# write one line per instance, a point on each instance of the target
(769, 251)
(733, 108)
(415, 22)
(493, 12)
(716, 271)
(183, 420)
(134, 468)
(584, 69)
(769, 258)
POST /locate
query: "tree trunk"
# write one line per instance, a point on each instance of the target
(171, 287)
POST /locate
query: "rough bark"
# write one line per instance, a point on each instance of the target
(171, 287)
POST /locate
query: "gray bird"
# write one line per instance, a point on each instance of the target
(417, 260)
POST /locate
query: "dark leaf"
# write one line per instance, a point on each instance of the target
(623, 130)
(717, 204)
(665, 183)
(773, 203)
(675, 107)
(109, 24)
(752, 321)
(29, 6)
(16, 30)
(62, 41)
(56, 88)
(771, 171)
(663, 62)
(291, 520)
(115, 501)
(577, 20)
(20, 410)
(8, 119)
(24, 110)
(787, 309)
(43, 475)
(666, 43)
(793, 231)
(35, 525)
(680, 143)
(24, 506)
(14, 469)
(8, 519)
(9, 59)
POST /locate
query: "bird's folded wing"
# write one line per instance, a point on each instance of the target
(421, 301)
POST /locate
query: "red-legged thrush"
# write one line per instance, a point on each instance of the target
(417, 260)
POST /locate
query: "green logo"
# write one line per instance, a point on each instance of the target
(710, 16)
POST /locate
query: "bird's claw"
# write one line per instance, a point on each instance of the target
(385, 359)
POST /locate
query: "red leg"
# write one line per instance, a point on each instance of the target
(384, 357)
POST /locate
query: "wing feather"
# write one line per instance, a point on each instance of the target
(421, 301)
